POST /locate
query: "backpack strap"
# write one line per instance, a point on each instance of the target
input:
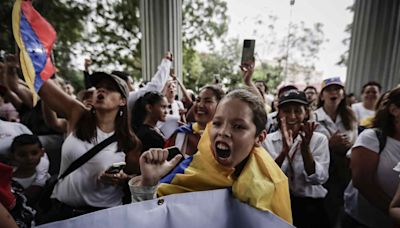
(88, 155)
(381, 138)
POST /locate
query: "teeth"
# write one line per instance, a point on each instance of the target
(222, 146)
(200, 112)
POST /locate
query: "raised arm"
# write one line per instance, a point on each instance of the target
(50, 118)
(61, 103)
(183, 89)
(17, 92)
(248, 69)
(157, 83)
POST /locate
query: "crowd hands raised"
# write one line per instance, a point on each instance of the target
(333, 169)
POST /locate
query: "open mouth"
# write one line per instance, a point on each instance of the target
(333, 98)
(100, 97)
(222, 150)
(201, 112)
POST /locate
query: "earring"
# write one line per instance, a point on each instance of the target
(121, 112)
(93, 111)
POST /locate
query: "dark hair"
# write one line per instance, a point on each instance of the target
(139, 109)
(310, 87)
(345, 112)
(86, 126)
(256, 105)
(216, 90)
(23, 140)
(384, 120)
(371, 83)
(350, 95)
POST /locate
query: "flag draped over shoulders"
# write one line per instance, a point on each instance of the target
(261, 183)
(35, 38)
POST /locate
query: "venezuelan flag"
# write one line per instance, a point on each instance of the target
(35, 38)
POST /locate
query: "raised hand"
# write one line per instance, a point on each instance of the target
(87, 64)
(168, 56)
(154, 165)
(287, 136)
(114, 179)
(306, 132)
(247, 69)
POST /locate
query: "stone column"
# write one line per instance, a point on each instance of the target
(375, 45)
(161, 25)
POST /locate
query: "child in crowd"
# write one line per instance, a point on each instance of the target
(29, 172)
(229, 156)
(149, 109)
(187, 136)
(303, 156)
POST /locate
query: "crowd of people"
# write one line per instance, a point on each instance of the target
(313, 157)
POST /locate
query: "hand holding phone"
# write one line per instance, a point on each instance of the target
(172, 152)
(116, 168)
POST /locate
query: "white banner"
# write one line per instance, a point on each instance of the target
(205, 209)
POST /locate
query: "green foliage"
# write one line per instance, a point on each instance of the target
(203, 21)
(6, 36)
(67, 18)
(271, 74)
(115, 36)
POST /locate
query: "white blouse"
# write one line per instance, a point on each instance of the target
(300, 183)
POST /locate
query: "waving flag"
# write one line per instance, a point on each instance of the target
(35, 38)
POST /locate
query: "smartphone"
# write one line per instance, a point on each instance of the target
(172, 152)
(248, 50)
(116, 168)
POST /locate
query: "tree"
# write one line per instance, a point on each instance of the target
(346, 41)
(67, 18)
(115, 38)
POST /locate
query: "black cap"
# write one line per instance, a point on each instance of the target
(293, 96)
(96, 77)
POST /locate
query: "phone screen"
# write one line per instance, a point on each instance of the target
(172, 152)
(248, 50)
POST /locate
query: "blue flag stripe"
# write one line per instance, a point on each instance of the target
(178, 169)
(35, 49)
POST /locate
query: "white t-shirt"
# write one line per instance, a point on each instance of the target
(300, 183)
(39, 177)
(358, 207)
(8, 131)
(171, 120)
(82, 187)
(361, 112)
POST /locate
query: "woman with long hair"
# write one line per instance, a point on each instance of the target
(148, 110)
(89, 188)
(373, 157)
(338, 123)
